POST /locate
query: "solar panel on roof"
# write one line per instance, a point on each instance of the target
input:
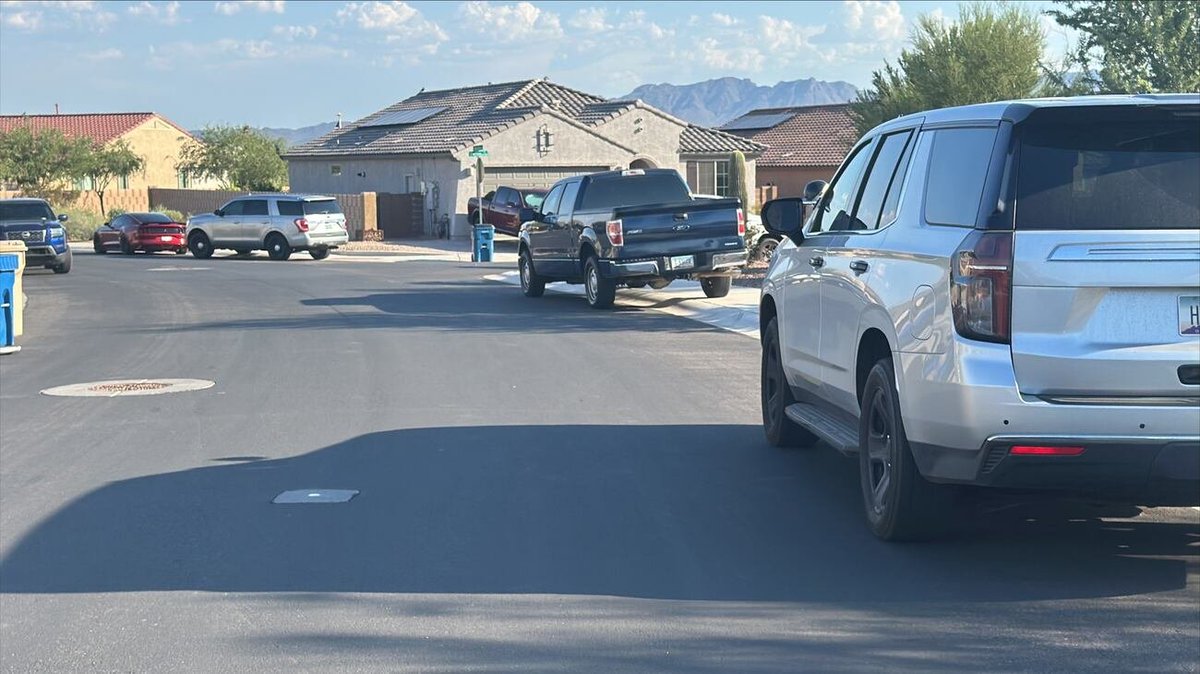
(398, 117)
(763, 121)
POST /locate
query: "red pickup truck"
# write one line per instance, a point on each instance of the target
(502, 208)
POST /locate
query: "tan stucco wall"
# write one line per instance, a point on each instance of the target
(651, 135)
(158, 143)
(791, 181)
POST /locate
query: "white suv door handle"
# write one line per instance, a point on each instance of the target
(859, 267)
(817, 262)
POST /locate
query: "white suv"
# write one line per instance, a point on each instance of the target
(1002, 295)
(276, 223)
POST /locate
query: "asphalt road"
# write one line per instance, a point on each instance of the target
(543, 487)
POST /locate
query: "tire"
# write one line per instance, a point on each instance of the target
(636, 285)
(181, 251)
(97, 246)
(126, 247)
(900, 504)
(716, 286)
(532, 285)
(200, 246)
(601, 292)
(765, 249)
(776, 395)
(278, 247)
(476, 218)
(319, 253)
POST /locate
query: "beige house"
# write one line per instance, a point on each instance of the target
(154, 138)
(534, 132)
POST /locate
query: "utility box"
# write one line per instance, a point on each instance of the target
(482, 242)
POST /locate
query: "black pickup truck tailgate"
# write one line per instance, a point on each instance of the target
(702, 225)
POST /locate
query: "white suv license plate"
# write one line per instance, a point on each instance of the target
(1189, 315)
(683, 261)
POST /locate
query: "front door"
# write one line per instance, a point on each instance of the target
(226, 229)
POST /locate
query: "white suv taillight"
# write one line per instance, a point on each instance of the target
(616, 232)
(981, 286)
(741, 222)
(301, 224)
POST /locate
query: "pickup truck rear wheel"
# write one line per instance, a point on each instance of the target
(716, 286)
(900, 504)
(777, 395)
(531, 284)
(601, 292)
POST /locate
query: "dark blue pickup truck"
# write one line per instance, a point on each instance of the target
(33, 221)
(630, 228)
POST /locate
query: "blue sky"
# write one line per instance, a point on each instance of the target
(277, 63)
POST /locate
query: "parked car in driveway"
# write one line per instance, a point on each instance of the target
(502, 207)
(148, 232)
(1003, 295)
(33, 222)
(634, 228)
(277, 223)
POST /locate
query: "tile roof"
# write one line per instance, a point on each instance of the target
(702, 140)
(474, 113)
(816, 135)
(101, 127)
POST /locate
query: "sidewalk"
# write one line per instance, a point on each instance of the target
(736, 312)
(444, 250)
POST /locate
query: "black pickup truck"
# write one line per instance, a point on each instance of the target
(633, 228)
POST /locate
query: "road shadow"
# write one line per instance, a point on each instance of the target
(468, 307)
(666, 512)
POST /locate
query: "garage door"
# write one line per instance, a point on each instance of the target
(540, 176)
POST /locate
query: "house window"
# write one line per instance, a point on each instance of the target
(84, 184)
(184, 180)
(335, 169)
(708, 177)
(123, 182)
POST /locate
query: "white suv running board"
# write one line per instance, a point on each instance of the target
(828, 427)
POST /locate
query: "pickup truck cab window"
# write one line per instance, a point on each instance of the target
(505, 197)
(567, 205)
(550, 205)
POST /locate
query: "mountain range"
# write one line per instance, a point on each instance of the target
(708, 103)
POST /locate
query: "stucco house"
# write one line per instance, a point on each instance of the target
(803, 143)
(156, 139)
(534, 131)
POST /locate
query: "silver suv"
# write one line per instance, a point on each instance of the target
(1001, 295)
(276, 223)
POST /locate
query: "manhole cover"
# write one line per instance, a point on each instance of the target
(128, 387)
(316, 496)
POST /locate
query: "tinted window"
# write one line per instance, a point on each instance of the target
(958, 165)
(839, 196)
(550, 205)
(254, 207)
(883, 170)
(289, 207)
(27, 211)
(1115, 175)
(505, 196)
(153, 218)
(322, 207)
(634, 190)
(567, 205)
(891, 203)
(534, 199)
(233, 208)
(119, 222)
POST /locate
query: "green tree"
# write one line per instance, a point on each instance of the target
(738, 185)
(992, 53)
(111, 161)
(1136, 46)
(239, 158)
(43, 163)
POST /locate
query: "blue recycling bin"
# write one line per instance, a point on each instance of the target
(483, 241)
(8, 279)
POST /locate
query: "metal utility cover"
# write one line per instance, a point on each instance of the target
(316, 496)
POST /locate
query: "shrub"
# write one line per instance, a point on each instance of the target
(81, 224)
(114, 212)
(175, 215)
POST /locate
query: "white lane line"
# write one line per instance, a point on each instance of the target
(737, 313)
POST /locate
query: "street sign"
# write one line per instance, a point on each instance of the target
(478, 151)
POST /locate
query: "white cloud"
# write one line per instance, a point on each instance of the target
(509, 23)
(717, 54)
(296, 32)
(783, 36)
(883, 17)
(592, 19)
(29, 16)
(231, 7)
(21, 19)
(110, 54)
(411, 34)
(725, 19)
(164, 12)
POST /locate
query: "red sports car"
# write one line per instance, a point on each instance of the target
(149, 232)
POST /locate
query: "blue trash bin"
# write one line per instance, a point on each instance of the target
(8, 279)
(482, 242)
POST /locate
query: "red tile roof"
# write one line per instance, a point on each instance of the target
(101, 127)
(816, 135)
